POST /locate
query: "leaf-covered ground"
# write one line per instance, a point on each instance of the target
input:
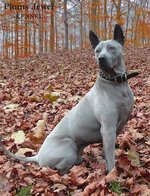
(27, 91)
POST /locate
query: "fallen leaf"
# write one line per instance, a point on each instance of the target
(28, 180)
(74, 98)
(2, 160)
(48, 171)
(126, 142)
(3, 181)
(94, 186)
(133, 156)
(148, 140)
(79, 175)
(148, 82)
(55, 178)
(38, 134)
(136, 135)
(48, 88)
(61, 65)
(145, 190)
(88, 189)
(52, 76)
(130, 181)
(59, 187)
(22, 151)
(33, 99)
(136, 189)
(19, 137)
(2, 83)
(123, 163)
(112, 176)
(11, 107)
(51, 97)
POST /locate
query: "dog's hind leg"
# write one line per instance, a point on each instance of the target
(68, 160)
(61, 154)
(80, 159)
(65, 165)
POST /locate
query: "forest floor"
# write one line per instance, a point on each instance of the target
(46, 87)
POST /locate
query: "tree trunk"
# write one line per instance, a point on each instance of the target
(105, 19)
(94, 15)
(26, 34)
(16, 39)
(119, 11)
(81, 24)
(40, 33)
(127, 20)
(56, 33)
(66, 24)
(52, 27)
(110, 22)
(34, 38)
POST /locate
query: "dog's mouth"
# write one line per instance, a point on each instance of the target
(106, 69)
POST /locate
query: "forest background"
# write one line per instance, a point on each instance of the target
(31, 27)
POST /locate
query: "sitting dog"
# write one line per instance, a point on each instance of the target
(99, 117)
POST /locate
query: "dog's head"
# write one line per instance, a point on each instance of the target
(109, 53)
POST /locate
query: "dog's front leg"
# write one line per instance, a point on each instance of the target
(109, 137)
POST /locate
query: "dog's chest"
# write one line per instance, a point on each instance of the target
(114, 100)
(127, 99)
(123, 102)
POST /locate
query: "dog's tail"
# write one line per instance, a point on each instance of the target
(21, 158)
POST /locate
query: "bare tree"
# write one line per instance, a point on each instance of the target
(81, 23)
(52, 27)
(93, 15)
(66, 24)
(105, 19)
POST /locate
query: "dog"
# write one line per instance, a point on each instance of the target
(98, 118)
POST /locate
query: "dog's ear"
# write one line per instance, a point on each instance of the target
(118, 34)
(93, 39)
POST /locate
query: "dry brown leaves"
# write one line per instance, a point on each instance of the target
(23, 85)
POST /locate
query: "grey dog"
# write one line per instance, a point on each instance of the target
(99, 117)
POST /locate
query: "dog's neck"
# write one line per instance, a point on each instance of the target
(118, 74)
(118, 78)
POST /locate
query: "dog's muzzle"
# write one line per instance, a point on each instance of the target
(102, 60)
(103, 63)
(104, 66)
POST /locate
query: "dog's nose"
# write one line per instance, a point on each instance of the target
(102, 59)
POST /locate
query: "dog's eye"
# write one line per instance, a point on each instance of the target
(111, 48)
(98, 51)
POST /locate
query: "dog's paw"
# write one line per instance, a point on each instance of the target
(79, 160)
(112, 175)
(62, 172)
